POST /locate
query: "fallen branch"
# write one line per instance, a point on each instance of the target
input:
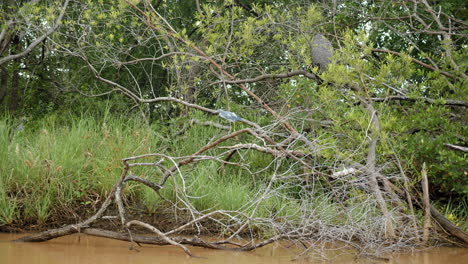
(146, 182)
(440, 218)
(76, 228)
(456, 147)
(274, 152)
(152, 240)
(160, 234)
(200, 151)
(449, 226)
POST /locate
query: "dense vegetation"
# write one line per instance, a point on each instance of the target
(84, 84)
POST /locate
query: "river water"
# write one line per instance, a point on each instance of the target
(86, 249)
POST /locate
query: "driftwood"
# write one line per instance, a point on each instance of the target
(446, 224)
(449, 226)
(163, 238)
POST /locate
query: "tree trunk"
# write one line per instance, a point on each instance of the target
(15, 77)
(14, 91)
(3, 83)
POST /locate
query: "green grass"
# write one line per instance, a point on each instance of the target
(210, 190)
(457, 213)
(8, 206)
(61, 165)
(52, 166)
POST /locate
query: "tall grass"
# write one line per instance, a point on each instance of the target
(51, 166)
(63, 164)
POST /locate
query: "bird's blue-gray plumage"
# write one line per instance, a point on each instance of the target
(229, 116)
(321, 52)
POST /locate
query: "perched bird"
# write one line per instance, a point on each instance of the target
(229, 116)
(321, 52)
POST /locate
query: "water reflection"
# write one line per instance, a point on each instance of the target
(86, 249)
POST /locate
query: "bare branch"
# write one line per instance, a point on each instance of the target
(146, 182)
(271, 76)
(36, 42)
(447, 102)
(169, 54)
(273, 152)
(426, 203)
(456, 147)
(172, 99)
(161, 234)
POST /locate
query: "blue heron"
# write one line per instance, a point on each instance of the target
(321, 52)
(229, 116)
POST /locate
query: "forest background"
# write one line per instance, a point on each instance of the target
(84, 84)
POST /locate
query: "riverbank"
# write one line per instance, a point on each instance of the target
(59, 172)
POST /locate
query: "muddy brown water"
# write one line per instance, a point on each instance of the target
(86, 249)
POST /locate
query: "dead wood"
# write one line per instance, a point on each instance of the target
(456, 147)
(447, 102)
(239, 222)
(440, 218)
(449, 226)
(426, 204)
(160, 234)
(152, 240)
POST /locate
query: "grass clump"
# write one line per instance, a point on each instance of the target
(211, 190)
(53, 165)
(60, 166)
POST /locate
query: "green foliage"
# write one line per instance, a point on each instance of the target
(51, 166)
(456, 212)
(65, 156)
(429, 129)
(68, 162)
(8, 205)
